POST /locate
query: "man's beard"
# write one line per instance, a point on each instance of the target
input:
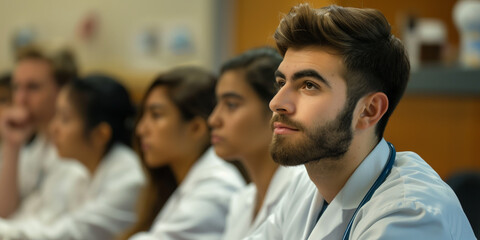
(331, 140)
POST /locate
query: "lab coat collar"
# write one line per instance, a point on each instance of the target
(105, 163)
(250, 194)
(200, 169)
(335, 218)
(280, 179)
(276, 187)
(110, 164)
(364, 176)
(38, 144)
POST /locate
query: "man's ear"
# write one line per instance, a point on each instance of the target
(373, 107)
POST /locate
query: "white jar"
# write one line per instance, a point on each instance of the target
(466, 15)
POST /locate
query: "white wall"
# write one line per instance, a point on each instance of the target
(56, 24)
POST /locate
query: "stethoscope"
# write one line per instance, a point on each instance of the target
(383, 175)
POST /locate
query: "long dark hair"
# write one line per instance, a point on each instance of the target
(100, 98)
(192, 90)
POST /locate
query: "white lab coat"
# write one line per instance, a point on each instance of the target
(36, 160)
(107, 207)
(48, 184)
(198, 208)
(240, 220)
(412, 203)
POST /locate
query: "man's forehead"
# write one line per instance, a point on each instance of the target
(32, 70)
(34, 63)
(320, 59)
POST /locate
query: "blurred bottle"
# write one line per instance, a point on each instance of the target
(466, 15)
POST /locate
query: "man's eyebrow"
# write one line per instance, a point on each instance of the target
(310, 73)
(279, 74)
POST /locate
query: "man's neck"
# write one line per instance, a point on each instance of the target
(330, 175)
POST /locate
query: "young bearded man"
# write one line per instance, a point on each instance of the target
(342, 75)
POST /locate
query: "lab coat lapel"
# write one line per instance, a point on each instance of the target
(193, 176)
(315, 208)
(276, 189)
(332, 224)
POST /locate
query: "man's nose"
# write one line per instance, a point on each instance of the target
(283, 101)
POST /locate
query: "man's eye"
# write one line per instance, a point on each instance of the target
(310, 85)
(279, 84)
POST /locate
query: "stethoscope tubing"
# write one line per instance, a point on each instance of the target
(383, 175)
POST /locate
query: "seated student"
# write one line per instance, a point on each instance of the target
(241, 131)
(28, 155)
(190, 187)
(342, 75)
(91, 126)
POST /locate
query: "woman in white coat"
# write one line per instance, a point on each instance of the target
(241, 131)
(91, 126)
(190, 187)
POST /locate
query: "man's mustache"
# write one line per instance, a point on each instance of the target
(285, 120)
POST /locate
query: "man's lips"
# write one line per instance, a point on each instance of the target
(281, 128)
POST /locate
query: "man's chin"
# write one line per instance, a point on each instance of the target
(287, 163)
(281, 151)
(285, 156)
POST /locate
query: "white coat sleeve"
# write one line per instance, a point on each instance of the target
(100, 218)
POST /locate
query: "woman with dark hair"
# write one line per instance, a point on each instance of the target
(92, 124)
(190, 187)
(241, 131)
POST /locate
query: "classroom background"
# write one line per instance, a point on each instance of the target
(135, 40)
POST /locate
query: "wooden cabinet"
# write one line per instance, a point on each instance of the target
(444, 130)
(256, 21)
